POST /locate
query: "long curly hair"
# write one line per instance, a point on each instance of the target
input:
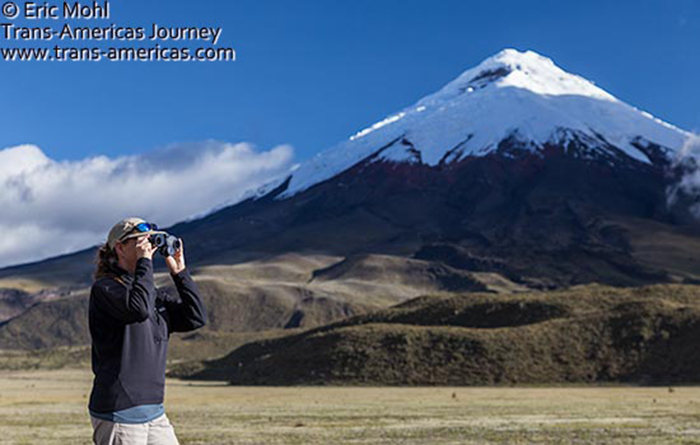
(106, 262)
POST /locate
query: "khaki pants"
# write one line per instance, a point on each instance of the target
(158, 431)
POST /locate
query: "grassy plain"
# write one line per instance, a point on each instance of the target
(49, 407)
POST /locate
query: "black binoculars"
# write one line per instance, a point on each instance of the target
(167, 244)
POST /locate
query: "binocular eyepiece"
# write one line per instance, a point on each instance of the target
(167, 244)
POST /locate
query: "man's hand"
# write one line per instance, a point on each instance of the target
(144, 248)
(176, 263)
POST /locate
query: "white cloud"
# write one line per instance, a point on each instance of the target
(54, 207)
(687, 160)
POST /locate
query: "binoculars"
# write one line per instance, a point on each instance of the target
(167, 244)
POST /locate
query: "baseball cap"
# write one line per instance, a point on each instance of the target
(122, 230)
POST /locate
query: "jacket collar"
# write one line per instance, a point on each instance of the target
(123, 274)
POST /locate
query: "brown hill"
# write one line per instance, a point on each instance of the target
(585, 334)
(278, 292)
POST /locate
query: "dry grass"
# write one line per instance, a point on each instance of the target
(23, 284)
(49, 407)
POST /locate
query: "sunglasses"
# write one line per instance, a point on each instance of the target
(145, 227)
(141, 228)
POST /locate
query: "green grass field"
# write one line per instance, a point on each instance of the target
(50, 407)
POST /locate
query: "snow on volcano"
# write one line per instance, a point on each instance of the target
(511, 94)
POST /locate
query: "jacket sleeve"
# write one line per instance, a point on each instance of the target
(128, 306)
(187, 312)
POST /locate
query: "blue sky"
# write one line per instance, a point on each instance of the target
(83, 145)
(311, 73)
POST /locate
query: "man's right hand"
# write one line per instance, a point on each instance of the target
(144, 248)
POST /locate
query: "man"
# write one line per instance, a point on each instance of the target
(130, 323)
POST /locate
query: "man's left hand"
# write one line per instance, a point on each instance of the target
(176, 262)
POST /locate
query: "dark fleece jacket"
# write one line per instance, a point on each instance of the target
(130, 324)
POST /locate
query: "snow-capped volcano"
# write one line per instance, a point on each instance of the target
(518, 95)
(516, 169)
